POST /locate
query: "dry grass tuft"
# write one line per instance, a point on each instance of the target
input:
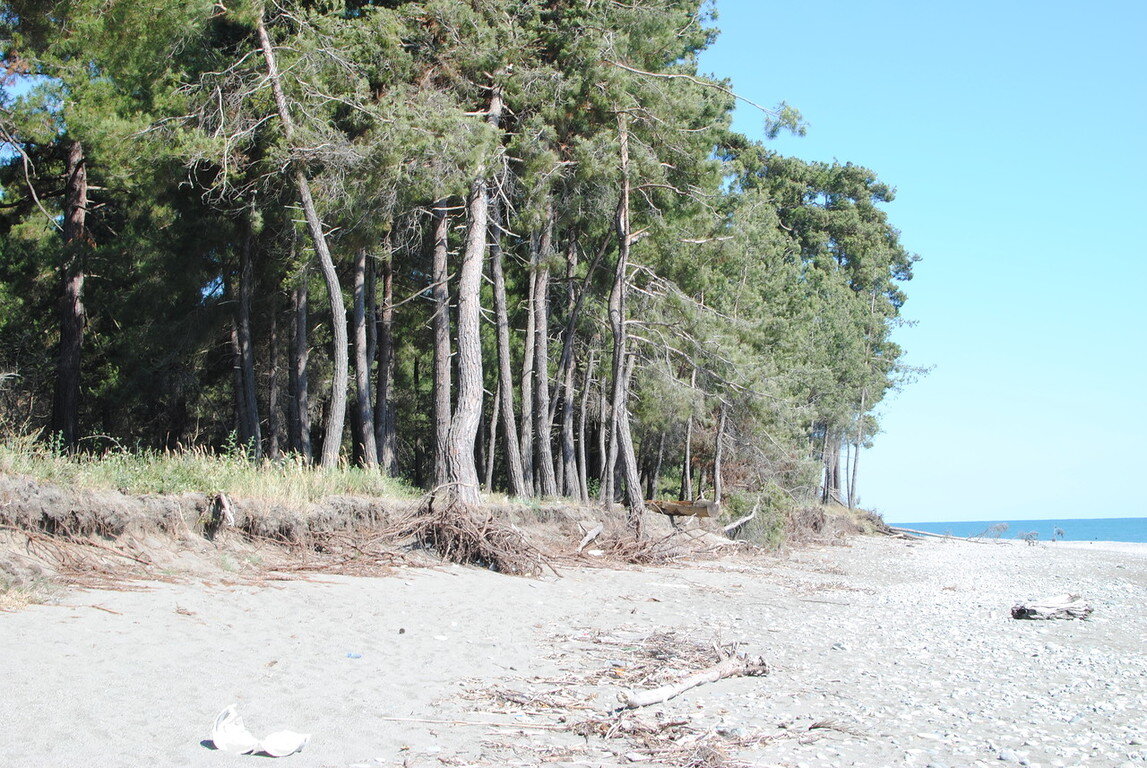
(289, 481)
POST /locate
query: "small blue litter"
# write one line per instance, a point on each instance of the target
(354, 655)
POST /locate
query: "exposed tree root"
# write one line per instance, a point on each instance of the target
(463, 534)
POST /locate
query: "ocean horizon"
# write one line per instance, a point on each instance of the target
(1128, 529)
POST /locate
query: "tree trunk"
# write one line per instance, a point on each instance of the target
(718, 455)
(542, 425)
(442, 379)
(468, 411)
(299, 406)
(582, 461)
(364, 407)
(831, 491)
(826, 466)
(240, 393)
(853, 500)
(605, 467)
(622, 440)
(246, 396)
(490, 429)
(687, 464)
(629, 459)
(385, 431)
(526, 426)
(571, 482)
(575, 302)
(274, 392)
(505, 402)
(336, 415)
(73, 318)
(655, 473)
(569, 475)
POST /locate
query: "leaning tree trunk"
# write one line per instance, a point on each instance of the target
(336, 415)
(629, 459)
(66, 399)
(385, 435)
(364, 408)
(442, 385)
(468, 411)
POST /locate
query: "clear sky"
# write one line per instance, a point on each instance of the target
(1016, 136)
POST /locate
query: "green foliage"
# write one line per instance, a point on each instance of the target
(769, 528)
(772, 282)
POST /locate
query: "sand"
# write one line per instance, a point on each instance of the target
(884, 652)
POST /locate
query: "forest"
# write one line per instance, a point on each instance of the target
(481, 245)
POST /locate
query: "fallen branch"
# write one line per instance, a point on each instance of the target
(738, 523)
(534, 726)
(730, 666)
(109, 610)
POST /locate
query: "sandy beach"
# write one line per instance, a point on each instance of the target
(882, 652)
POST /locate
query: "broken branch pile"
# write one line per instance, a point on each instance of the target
(471, 536)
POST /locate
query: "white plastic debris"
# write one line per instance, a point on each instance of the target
(230, 735)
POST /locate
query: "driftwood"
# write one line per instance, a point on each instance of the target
(914, 532)
(590, 535)
(729, 666)
(698, 508)
(738, 523)
(1059, 607)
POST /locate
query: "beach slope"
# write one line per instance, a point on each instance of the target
(883, 652)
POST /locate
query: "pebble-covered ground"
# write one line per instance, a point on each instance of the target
(883, 652)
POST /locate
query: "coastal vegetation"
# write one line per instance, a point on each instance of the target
(454, 245)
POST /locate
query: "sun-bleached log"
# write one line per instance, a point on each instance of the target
(1059, 607)
(730, 666)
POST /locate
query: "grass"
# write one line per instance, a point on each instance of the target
(16, 595)
(146, 471)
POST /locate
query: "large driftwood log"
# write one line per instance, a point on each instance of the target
(730, 666)
(1059, 607)
(698, 508)
(914, 533)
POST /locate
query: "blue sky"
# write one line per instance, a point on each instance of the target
(1016, 136)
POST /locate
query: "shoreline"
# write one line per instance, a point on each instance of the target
(1136, 548)
(882, 652)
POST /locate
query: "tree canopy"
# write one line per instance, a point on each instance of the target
(566, 273)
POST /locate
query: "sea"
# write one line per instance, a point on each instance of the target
(1098, 529)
